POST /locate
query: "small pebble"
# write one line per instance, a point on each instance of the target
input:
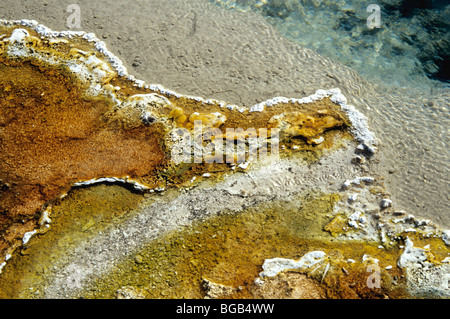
(358, 160)
(385, 203)
(352, 198)
(138, 259)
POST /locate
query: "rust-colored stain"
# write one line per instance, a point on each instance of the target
(53, 134)
(51, 138)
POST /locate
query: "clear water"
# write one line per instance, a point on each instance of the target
(409, 48)
(407, 94)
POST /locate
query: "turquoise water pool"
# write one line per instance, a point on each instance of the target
(409, 45)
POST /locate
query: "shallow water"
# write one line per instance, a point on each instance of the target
(410, 122)
(410, 38)
(404, 61)
(199, 49)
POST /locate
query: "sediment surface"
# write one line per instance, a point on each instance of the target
(88, 176)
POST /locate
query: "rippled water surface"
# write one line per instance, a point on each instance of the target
(409, 37)
(405, 60)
